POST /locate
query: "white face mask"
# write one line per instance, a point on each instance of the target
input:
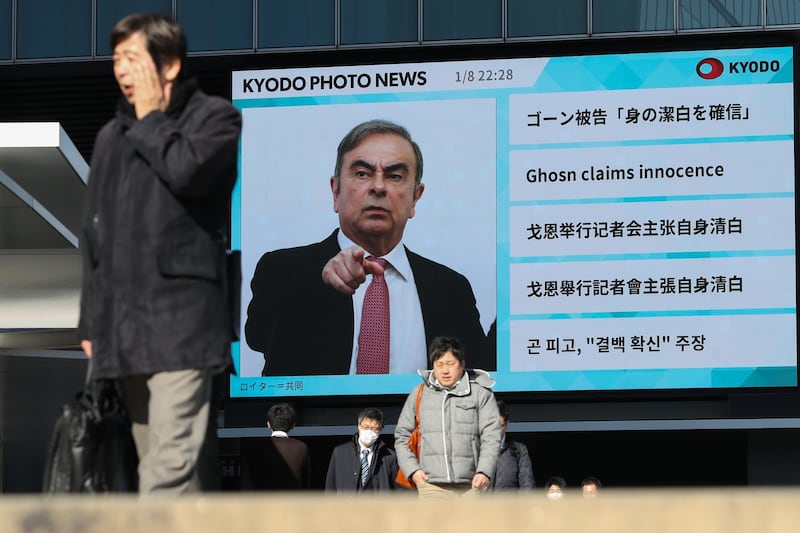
(367, 437)
(555, 495)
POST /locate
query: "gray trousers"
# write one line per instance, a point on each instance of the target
(170, 414)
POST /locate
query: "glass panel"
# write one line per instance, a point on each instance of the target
(215, 25)
(699, 14)
(378, 21)
(54, 29)
(783, 12)
(531, 18)
(296, 23)
(462, 19)
(615, 16)
(109, 12)
(5, 29)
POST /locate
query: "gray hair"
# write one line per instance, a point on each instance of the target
(355, 136)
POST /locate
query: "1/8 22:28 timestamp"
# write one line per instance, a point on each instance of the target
(477, 76)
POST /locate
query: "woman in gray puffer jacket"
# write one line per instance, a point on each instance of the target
(459, 423)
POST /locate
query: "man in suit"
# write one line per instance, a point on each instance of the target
(278, 462)
(317, 292)
(365, 463)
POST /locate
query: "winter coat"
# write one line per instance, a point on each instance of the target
(344, 470)
(274, 463)
(154, 236)
(514, 468)
(460, 429)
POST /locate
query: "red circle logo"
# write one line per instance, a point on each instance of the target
(710, 68)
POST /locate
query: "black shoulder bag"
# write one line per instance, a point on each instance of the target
(92, 449)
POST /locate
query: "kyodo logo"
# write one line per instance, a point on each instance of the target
(711, 68)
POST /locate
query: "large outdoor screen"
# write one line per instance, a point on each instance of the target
(625, 221)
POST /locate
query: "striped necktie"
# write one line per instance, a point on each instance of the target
(364, 468)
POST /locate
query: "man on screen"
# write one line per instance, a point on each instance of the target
(360, 301)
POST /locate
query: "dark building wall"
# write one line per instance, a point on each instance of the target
(33, 389)
(623, 459)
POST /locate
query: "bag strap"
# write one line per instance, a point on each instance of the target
(416, 409)
(87, 381)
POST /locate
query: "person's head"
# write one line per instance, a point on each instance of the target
(370, 425)
(446, 359)
(148, 36)
(281, 417)
(502, 408)
(590, 486)
(555, 487)
(376, 184)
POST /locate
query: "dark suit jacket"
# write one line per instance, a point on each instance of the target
(275, 463)
(304, 327)
(344, 470)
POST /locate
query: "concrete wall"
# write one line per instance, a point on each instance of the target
(651, 511)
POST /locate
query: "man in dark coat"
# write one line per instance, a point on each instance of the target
(365, 463)
(153, 302)
(514, 466)
(322, 286)
(278, 462)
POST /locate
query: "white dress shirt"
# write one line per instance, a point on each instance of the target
(408, 351)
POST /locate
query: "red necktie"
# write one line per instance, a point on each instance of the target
(373, 338)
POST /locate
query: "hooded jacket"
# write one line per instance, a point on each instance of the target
(460, 429)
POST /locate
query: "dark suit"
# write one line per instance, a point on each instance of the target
(304, 327)
(344, 470)
(275, 463)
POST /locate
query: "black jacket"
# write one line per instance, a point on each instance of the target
(344, 470)
(514, 467)
(155, 229)
(274, 463)
(289, 295)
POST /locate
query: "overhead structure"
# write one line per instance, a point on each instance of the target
(42, 182)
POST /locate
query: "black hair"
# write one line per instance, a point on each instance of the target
(281, 417)
(165, 38)
(442, 345)
(591, 480)
(372, 413)
(502, 408)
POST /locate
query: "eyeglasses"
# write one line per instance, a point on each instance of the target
(376, 429)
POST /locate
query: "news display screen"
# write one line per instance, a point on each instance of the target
(625, 221)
